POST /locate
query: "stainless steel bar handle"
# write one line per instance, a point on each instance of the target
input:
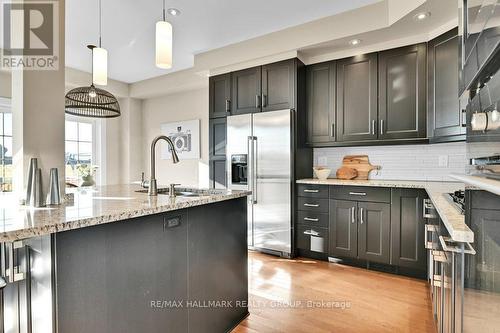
(332, 130)
(255, 166)
(228, 105)
(311, 191)
(357, 193)
(250, 165)
(373, 126)
(468, 249)
(429, 228)
(257, 101)
(311, 233)
(381, 126)
(311, 205)
(427, 204)
(353, 215)
(310, 219)
(264, 100)
(361, 215)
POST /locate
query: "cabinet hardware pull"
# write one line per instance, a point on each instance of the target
(353, 217)
(361, 215)
(468, 249)
(311, 191)
(310, 219)
(464, 118)
(381, 126)
(332, 130)
(373, 126)
(357, 193)
(429, 228)
(427, 204)
(311, 233)
(228, 105)
(257, 101)
(264, 100)
(311, 205)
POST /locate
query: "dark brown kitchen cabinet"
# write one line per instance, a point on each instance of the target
(246, 91)
(343, 229)
(374, 224)
(408, 227)
(357, 98)
(217, 138)
(402, 93)
(218, 174)
(320, 96)
(278, 86)
(219, 96)
(445, 117)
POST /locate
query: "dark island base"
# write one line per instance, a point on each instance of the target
(181, 271)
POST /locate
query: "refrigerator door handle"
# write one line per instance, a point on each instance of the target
(250, 163)
(254, 169)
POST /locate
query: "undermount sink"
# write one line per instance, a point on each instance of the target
(181, 192)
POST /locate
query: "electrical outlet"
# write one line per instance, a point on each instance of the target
(322, 161)
(443, 161)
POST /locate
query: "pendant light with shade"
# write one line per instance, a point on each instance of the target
(90, 101)
(164, 40)
(100, 58)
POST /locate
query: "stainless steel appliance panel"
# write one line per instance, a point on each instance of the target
(239, 142)
(272, 213)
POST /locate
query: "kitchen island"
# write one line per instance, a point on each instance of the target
(116, 260)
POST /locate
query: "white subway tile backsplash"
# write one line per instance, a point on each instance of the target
(411, 162)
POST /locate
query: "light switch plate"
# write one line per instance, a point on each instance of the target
(443, 161)
(322, 161)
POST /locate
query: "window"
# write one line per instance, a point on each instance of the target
(80, 149)
(5, 150)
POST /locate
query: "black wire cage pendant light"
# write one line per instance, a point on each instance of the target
(90, 101)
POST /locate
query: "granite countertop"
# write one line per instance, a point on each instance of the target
(94, 206)
(451, 217)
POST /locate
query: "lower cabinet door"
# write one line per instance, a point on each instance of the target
(374, 224)
(343, 228)
(312, 238)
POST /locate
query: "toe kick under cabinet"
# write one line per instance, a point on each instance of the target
(362, 224)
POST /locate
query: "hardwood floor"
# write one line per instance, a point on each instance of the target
(354, 299)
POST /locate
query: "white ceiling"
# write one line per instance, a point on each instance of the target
(128, 28)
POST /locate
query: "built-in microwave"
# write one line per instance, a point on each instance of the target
(479, 31)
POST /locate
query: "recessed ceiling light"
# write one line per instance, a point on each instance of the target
(174, 11)
(354, 42)
(422, 16)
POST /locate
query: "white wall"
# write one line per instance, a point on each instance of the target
(408, 162)
(5, 84)
(181, 106)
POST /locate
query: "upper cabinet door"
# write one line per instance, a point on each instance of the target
(320, 99)
(278, 86)
(402, 102)
(357, 98)
(247, 91)
(444, 114)
(220, 96)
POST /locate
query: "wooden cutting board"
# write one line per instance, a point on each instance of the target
(361, 163)
(346, 173)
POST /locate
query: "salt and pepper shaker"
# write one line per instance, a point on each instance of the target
(38, 190)
(34, 188)
(54, 195)
(31, 175)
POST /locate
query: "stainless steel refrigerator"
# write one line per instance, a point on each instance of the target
(260, 158)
